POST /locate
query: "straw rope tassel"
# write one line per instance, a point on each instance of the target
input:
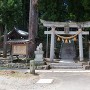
(66, 41)
(58, 39)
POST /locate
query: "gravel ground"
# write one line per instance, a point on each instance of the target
(61, 81)
(17, 80)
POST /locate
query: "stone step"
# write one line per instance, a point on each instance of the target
(66, 67)
(66, 64)
(3, 61)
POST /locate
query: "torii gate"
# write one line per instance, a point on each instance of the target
(53, 25)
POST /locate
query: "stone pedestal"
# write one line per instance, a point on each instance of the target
(39, 56)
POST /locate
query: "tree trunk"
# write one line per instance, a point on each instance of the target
(33, 26)
(5, 44)
(1, 31)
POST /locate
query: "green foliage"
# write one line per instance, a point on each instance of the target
(53, 10)
(11, 13)
(63, 10)
(16, 12)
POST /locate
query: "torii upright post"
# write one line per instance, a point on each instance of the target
(52, 44)
(80, 45)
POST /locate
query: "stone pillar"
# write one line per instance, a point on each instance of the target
(47, 45)
(52, 44)
(89, 50)
(80, 46)
(32, 67)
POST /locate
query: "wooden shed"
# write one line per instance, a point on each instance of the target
(19, 47)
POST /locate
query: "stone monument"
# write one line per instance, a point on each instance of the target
(39, 53)
(67, 52)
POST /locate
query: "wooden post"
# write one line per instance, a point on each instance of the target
(27, 52)
(11, 56)
(27, 48)
(52, 44)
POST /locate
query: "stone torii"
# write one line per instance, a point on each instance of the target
(53, 25)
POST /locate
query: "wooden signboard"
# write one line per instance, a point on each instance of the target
(19, 49)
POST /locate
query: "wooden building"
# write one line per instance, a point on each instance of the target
(17, 34)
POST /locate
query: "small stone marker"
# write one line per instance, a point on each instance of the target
(32, 67)
(45, 81)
